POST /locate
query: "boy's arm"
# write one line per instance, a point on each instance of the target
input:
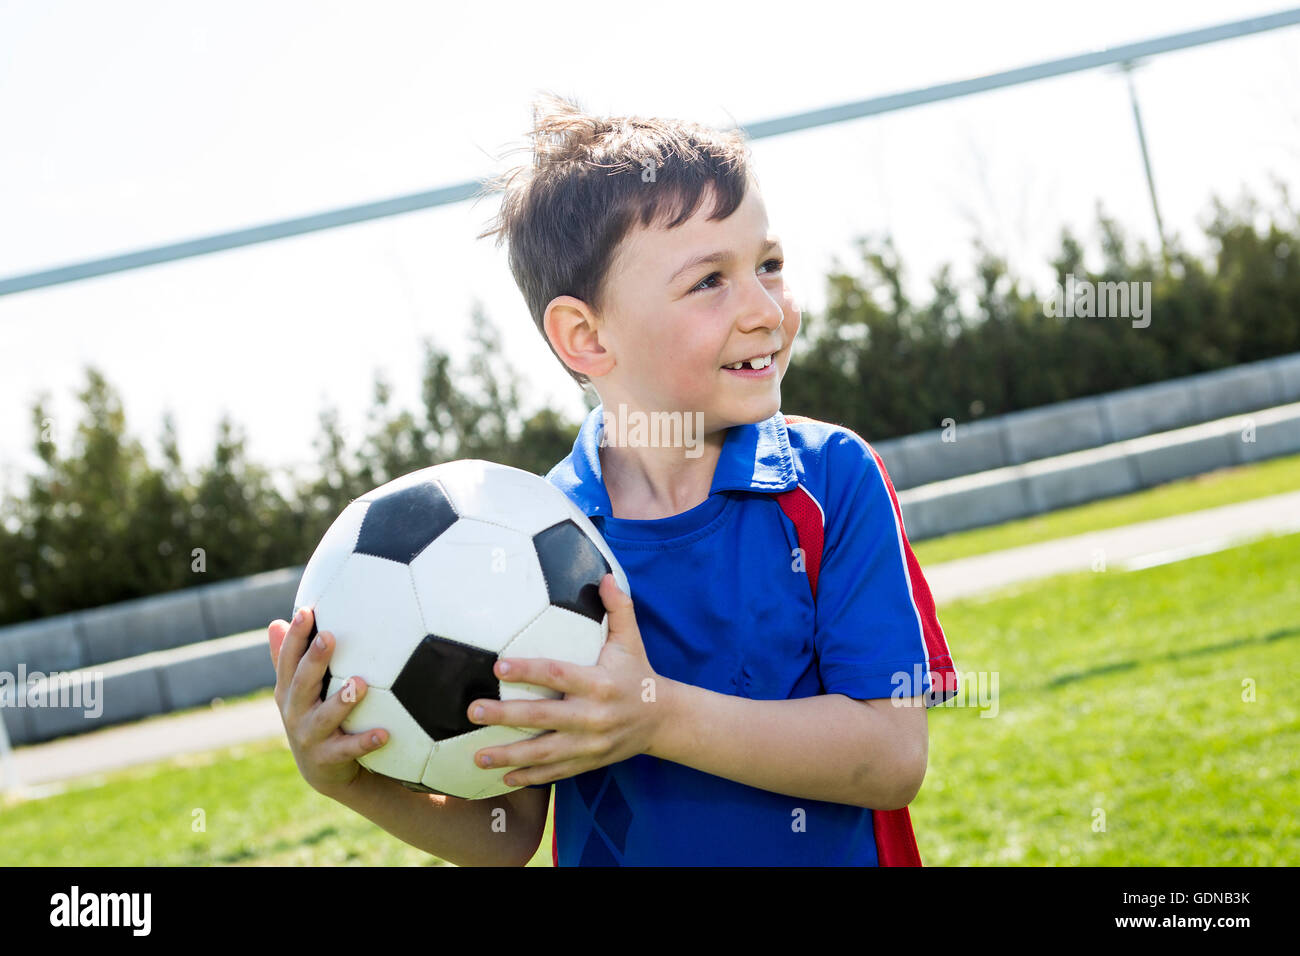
(867, 753)
(464, 832)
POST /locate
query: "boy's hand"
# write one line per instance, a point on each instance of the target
(608, 712)
(326, 756)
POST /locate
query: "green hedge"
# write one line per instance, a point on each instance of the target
(886, 366)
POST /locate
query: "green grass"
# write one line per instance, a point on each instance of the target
(1124, 693)
(1119, 692)
(1224, 487)
(256, 811)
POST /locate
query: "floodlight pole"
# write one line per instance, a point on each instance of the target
(1127, 67)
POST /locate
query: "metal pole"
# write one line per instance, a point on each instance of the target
(1127, 67)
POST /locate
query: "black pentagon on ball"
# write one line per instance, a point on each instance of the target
(438, 682)
(400, 525)
(572, 567)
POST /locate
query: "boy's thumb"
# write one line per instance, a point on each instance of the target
(276, 636)
(622, 617)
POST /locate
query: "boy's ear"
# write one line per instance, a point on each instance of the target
(572, 329)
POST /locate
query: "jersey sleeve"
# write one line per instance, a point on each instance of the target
(877, 633)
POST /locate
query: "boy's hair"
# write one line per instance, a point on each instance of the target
(590, 179)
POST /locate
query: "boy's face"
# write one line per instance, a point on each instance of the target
(672, 325)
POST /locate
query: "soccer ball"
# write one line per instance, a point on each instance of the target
(424, 582)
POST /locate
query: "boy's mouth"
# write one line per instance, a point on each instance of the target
(753, 364)
(760, 367)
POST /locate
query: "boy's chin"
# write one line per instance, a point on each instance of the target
(754, 411)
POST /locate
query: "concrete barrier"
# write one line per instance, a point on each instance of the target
(1054, 430)
(1066, 484)
(142, 625)
(251, 602)
(1150, 409)
(1019, 491)
(49, 644)
(66, 642)
(121, 692)
(226, 667)
(963, 503)
(927, 458)
(143, 686)
(1286, 371)
(1194, 454)
(1229, 391)
(1270, 435)
(1082, 423)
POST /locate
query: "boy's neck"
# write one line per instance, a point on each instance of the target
(645, 483)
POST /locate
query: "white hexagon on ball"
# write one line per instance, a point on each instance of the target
(330, 555)
(479, 584)
(406, 752)
(497, 494)
(557, 635)
(451, 767)
(371, 610)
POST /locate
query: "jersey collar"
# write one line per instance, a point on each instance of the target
(754, 457)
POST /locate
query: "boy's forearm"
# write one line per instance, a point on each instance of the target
(829, 747)
(458, 831)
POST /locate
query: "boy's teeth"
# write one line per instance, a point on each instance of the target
(755, 364)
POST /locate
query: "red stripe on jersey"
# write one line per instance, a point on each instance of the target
(943, 676)
(895, 840)
(801, 509)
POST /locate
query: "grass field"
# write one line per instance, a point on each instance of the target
(1124, 693)
(1224, 487)
(1116, 692)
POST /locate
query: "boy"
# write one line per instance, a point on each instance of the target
(747, 709)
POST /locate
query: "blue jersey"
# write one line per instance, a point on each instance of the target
(722, 599)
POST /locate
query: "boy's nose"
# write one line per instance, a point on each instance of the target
(763, 313)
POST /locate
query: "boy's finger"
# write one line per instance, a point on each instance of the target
(275, 633)
(291, 647)
(329, 716)
(346, 746)
(622, 617)
(304, 689)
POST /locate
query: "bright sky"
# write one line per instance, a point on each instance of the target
(136, 123)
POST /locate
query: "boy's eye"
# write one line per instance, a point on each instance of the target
(776, 265)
